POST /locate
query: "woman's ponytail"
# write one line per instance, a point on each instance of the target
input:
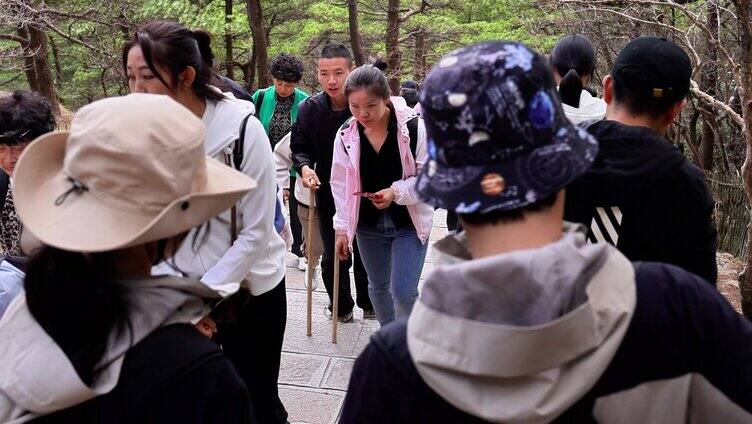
(570, 88)
(573, 58)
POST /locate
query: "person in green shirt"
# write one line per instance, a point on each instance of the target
(277, 109)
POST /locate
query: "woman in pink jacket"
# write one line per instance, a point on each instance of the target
(373, 184)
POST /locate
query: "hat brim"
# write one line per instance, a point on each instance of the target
(84, 223)
(527, 178)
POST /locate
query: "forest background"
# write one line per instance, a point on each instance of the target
(70, 51)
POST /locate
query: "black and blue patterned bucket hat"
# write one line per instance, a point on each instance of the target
(498, 138)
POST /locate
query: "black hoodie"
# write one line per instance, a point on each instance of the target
(312, 141)
(644, 196)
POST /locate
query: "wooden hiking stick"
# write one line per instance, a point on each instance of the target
(309, 255)
(335, 298)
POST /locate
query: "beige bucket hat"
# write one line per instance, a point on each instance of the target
(131, 170)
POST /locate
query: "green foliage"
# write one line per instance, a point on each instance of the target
(298, 27)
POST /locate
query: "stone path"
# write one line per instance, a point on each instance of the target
(314, 372)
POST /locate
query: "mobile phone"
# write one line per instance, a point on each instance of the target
(368, 195)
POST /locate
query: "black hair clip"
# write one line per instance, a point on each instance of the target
(77, 187)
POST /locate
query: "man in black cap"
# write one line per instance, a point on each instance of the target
(525, 321)
(641, 194)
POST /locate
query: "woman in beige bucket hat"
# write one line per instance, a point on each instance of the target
(94, 337)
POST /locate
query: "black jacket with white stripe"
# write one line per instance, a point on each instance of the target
(645, 197)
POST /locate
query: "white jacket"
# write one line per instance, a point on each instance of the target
(258, 255)
(591, 108)
(36, 376)
(283, 163)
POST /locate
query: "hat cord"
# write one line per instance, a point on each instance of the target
(77, 187)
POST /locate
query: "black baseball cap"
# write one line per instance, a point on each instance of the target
(665, 68)
(498, 138)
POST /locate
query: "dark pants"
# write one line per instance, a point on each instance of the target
(254, 345)
(361, 280)
(326, 225)
(295, 227)
(453, 222)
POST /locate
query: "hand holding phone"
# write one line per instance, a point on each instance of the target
(368, 195)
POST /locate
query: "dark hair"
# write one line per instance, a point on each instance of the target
(79, 302)
(573, 57)
(506, 216)
(411, 96)
(369, 77)
(174, 47)
(336, 50)
(286, 67)
(24, 116)
(629, 90)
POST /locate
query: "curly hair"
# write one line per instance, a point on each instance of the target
(286, 67)
(24, 116)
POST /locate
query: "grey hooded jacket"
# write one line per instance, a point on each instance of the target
(569, 332)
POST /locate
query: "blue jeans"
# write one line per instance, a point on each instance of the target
(393, 259)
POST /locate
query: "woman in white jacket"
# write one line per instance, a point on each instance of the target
(573, 61)
(166, 58)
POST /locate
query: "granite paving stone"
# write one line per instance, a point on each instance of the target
(315, 373)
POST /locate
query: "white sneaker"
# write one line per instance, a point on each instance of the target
(316, 278)
(303, 263)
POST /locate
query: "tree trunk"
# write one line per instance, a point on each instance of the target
(355, 40)
(229, 60)
(745, 91)
(258, 28)
(419, 65)
(708, 83)
(37, 64)
(250, 70)
(393, 58)
(44, 79)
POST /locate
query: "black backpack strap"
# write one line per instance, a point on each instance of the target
(4, 186)
(412, 128)
(344, 127)
(238, 151)
(259, 102)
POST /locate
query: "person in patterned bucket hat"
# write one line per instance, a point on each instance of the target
(498, 136)
(523, 321)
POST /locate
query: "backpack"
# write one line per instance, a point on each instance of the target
(259, 102)
(237, 160)
(412, 129)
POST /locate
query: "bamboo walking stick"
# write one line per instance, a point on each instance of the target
(335, 298)
(311, 264)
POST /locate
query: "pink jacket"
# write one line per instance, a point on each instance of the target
(345, 178)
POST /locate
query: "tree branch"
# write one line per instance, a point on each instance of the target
(72, 39)
(715, 103)
(13, 37)
(423, 6)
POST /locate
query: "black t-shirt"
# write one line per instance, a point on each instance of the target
(378, 170)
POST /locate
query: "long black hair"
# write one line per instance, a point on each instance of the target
(78, 300)
(174, 48)
(573, 57)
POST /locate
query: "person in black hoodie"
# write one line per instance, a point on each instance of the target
(524, 321)
(312, 144)
(642, 195)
